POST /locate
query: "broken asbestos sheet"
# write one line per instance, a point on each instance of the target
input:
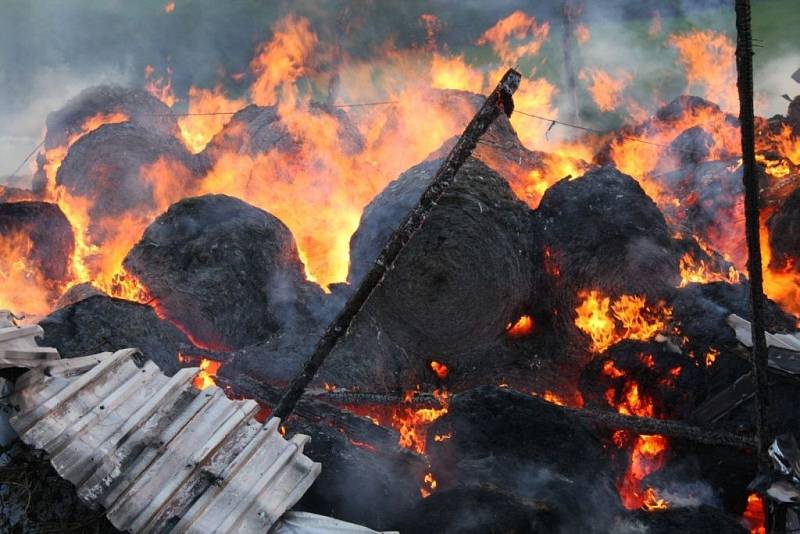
(161, 455)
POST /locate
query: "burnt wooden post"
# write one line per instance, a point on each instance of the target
(744, 68)
(499, 101)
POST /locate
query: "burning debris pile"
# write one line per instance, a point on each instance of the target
(594, 275)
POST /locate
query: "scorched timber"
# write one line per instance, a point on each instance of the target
(500, 100)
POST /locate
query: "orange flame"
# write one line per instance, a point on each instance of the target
(520, 27)
(205, 376)
(160, 87)
(23, 287)
(208, 110)
(606, 88)
(709, 60)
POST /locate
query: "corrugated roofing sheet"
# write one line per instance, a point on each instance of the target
(157, 453)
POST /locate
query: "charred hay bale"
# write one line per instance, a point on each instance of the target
(602, 231)
(461, 279)
(496, 434)
(227, 271)
(528, 447)
(479, 509)
(256, 130)
(111, 168)
(784, 235)
(106, 101)
(49, 232)
(100, 323)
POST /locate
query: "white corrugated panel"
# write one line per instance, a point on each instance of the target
(158, 454)
(18, 346)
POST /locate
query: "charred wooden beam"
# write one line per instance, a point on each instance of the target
(500, 100)
(744, 68)
(663, 427)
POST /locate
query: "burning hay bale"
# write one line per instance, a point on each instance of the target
(458, 283)
(602, 230)
(784, 235)
(101, 323)
(257, 130)
(225, 270)
(115, 170)
(46, 233)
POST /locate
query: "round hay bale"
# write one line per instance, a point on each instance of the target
(226, 271)
(601, 231)
(113, 168)
(138, 105)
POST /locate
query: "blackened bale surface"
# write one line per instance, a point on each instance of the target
(100, 323)
(113, 168)
(460, 280)
(49, 231)
(784, 234)
(227, 271)
(602, 231)
(697, 520)
(138, 105)
(530, 448)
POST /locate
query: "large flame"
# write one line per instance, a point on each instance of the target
(608, 322)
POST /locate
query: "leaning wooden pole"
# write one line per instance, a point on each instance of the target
(744, 65)
(499, 101)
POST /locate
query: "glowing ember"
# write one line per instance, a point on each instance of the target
(429, 485)
(711, 357)
(205, 376)
(754, 517)
(628, 317)
(439, 369)
(522, 328)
